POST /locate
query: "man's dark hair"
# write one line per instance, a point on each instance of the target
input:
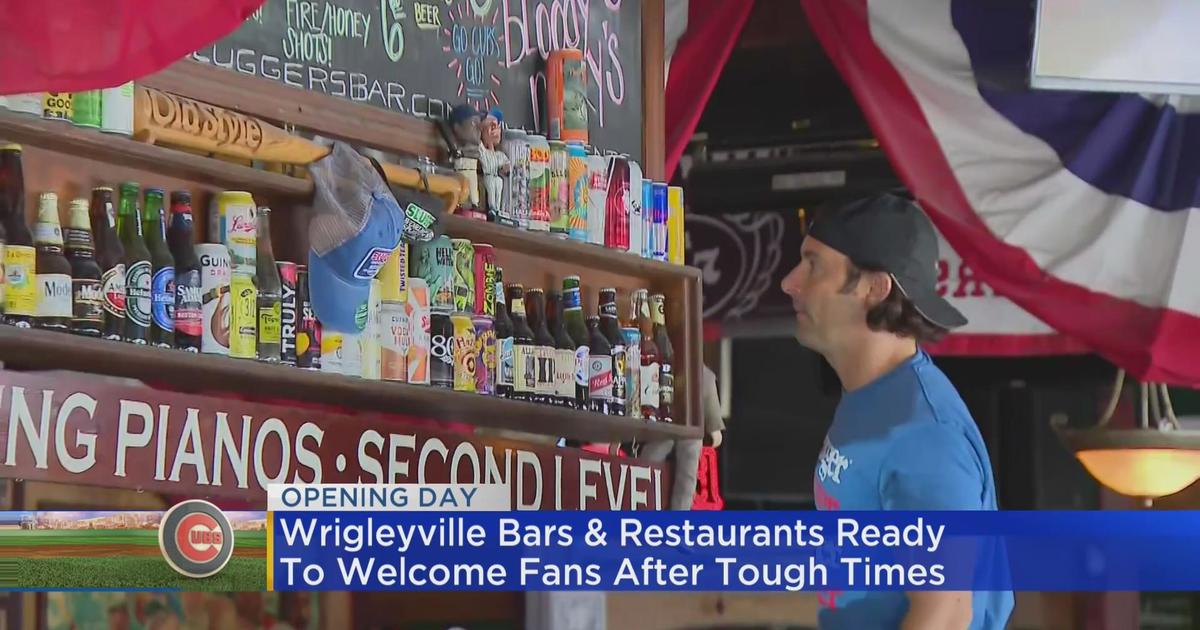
(896, 313)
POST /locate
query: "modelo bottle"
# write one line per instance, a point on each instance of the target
(53, 270)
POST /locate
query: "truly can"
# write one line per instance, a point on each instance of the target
(633, 203)
(485, 355)
(579, 192)
(464, 275)
(633, 371)
(516, 184)
(116, 109)
(86, 109)
(464, 352)
(616, 203)
(231, 222)
(674, 229)
(217, 299)
(658, 249)
(647, 217)
(289, 312)
(441, 350)
(243, 324)
(539, 184)
(485, 280)
(57, 105)
(435, 265)
(560, 190)
(418, 315)
(308, 337)
(597, 176)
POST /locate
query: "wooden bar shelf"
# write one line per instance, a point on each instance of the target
(24, 349)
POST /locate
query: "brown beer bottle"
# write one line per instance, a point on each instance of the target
(666, 380)
(88, 300)
(525, 365)
(20, 282)
(651, 361)
(54, 308)
(611, 327)
(547, 391)
(110, 256)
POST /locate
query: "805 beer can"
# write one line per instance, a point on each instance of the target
(485, 280)
(464, 275)
(485, 355)
(464, 352)
(289, 311)
(441, 350)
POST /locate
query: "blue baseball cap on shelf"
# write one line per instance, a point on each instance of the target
(357, 223)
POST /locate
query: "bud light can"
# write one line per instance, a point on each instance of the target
(485, 355)
(633, 369)
(463, 347)
(441, 350)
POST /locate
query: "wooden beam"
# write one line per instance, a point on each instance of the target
(654, 90)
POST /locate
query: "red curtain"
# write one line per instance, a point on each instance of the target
(75, 45)
(713, 28)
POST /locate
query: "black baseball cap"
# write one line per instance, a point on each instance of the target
(891, 234)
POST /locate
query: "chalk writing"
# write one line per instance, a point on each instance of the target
(393, 33)
(427, 16)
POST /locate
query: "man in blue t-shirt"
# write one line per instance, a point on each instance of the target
(865, 295)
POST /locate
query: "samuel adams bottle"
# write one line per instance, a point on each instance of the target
(189, 304)
(110, 256)
(137, 266)
(88, 310)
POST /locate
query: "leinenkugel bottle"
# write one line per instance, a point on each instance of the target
(87, 296)
(524, 347)
(137, 265)
(577, 329)
(666, 380)
(53, 270)
(189, 304)
(504, 340)
(20, 285)
(162, 271)
(535, 312)
(649, 374)
(564, 351)
(611, 328)
(110, 257)
(270, 293)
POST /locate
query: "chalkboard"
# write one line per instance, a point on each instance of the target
(424, 58)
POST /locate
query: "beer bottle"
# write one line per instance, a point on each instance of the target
(189, 305)
(666, 380)
(137, 265)
(611, 328)
(504, 341)
(53, 270)
(600, 374)
(564, 351)
(86, 293)
(577, 330)
(649, 375)
(162, 269)
(270, 293)
(110, 257)
(524, 347)
(535, 300)
(20, 258)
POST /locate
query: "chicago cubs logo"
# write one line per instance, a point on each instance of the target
(196, 538)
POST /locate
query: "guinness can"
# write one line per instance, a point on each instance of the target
(216, 300)
(289, 311)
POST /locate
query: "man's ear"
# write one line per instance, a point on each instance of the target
(879, 285)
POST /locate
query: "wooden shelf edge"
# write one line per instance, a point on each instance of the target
(203, 373)
(89, 143)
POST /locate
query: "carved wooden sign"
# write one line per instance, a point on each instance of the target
(86, 431)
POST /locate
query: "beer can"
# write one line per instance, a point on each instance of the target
(616, 204)
(418, 315)
(485, 280)
(514, 146)
(464, 352)
(441, 350)
(539, 184)
(435, 265)
(243, 324)
(116, 108)
(85, 109)
(579, 192)
(485, 355)
(217, 299)
(633, 371)
(351, 354)
(57, 105)
(647, 217)
(566, 95)
(633, 202)
(464, 275)
(289, 312)
(308, 338)
(393, 275)
(231, 222)
(658, 249)
(28, 103)
(674, 228)
(331, 351)
(560, 191)
(597, 175)
(393, 319)
(368, 339)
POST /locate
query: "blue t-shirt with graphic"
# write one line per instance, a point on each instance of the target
(904, 442)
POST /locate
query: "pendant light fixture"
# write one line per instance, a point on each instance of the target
(1156, 459)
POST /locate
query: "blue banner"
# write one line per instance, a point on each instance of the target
(739, 551)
